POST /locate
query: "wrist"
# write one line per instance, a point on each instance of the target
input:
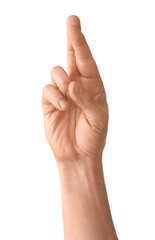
(84, 199)
(92, 163)
(80, 173)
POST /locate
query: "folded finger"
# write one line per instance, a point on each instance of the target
(60, 79)
(53, 96)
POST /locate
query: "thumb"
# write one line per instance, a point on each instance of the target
(96, 115)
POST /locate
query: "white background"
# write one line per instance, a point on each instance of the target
(121, 35)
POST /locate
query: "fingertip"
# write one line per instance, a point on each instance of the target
(75, 89)
(70, 87)
(73, 20)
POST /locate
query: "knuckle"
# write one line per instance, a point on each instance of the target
(70, 52)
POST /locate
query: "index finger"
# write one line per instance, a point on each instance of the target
(71, 59)
(85, 62)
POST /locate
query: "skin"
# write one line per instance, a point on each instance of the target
(76, 134)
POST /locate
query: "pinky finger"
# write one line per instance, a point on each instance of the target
(52, 96)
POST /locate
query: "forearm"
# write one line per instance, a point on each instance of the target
(86, 212)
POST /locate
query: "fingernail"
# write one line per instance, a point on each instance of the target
(77, 88)
(62, 103)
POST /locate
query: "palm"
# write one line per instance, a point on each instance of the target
(69, 132)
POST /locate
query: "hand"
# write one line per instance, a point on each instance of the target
(78, 128)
